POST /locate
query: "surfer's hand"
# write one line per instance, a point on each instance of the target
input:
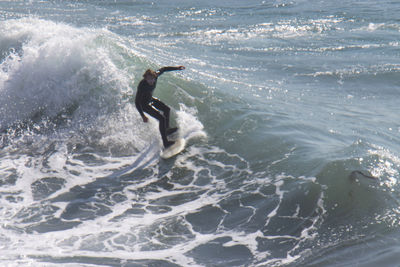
(145, 119)
(181, 67)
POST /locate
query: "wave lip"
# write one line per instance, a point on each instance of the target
(50, 68)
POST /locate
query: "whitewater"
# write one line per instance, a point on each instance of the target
(289, 110)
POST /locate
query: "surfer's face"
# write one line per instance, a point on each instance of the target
(150, 79)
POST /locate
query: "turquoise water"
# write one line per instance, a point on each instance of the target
(290, 113)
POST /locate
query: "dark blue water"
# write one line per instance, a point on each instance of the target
(289, 110)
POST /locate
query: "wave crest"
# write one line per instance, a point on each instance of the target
(51, 68)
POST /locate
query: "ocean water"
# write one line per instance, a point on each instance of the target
(289, 108)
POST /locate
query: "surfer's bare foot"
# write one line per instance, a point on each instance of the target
(171, 130)
(168, 144)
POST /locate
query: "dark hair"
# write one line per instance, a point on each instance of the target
(150, 72)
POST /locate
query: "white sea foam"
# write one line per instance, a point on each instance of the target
(51, 67)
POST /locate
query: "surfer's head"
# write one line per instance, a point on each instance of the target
(150, 76)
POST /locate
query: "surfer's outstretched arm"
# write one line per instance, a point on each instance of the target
(164, 69)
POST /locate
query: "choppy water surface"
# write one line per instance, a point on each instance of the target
(289, 109)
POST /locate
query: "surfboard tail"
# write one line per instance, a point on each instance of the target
(174, 149)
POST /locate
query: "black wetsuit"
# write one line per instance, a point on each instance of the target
(145, 102)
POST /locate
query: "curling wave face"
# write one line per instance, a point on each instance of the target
(48, 69)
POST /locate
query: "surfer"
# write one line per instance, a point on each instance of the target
(145, 102)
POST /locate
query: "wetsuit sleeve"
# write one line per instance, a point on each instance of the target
(139, 99)
(164, 69)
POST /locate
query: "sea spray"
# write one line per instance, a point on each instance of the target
(56, 69)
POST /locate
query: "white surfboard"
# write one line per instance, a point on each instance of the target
(174, 149)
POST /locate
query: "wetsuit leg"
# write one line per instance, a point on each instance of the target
(164, 108)
(166, 111)
(162, 122)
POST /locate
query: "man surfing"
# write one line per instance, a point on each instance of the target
(145, 102)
